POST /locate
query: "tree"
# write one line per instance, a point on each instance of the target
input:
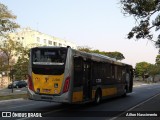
(9, 48)
(146, 14)
(3, 63)
(116, 55)
(84, 48)
(153, 70)
(6, 21)
(142, 69)
(21, 68)
(158, 60)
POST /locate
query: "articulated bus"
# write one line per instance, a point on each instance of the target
(65, 75)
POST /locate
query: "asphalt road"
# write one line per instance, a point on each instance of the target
(108, 109)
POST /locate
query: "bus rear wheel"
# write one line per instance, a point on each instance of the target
(98, 97)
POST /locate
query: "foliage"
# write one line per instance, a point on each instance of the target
(116, 55)
(142, 69)
(14, 56)
(84, 48)
(158, 60)
(146, 14)
(21, 68)
(154, 70)
(3, 62)
(11, 51)
(10, 48)
(6, 20)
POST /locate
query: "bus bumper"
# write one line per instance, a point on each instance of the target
(59, 98)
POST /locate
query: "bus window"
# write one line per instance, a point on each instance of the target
(113, 72)
(119, 73)
(116, 70)
(108, 70)
(48, 61)
(49, 56)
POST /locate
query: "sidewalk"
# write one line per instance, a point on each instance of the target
(140, 83)
(6, 91)
(6, 94)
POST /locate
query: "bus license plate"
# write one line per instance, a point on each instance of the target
(46, 90)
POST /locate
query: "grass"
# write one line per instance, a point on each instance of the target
(15, 96)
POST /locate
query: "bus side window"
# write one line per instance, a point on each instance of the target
(119, 73)
(113, 71)
(108, 70)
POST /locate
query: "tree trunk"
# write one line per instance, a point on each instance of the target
(153, 79)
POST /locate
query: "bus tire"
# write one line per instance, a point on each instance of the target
(98, 97)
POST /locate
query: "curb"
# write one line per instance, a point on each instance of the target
(11, 100)
(12, 94)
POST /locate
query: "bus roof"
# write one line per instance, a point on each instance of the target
(47, 47)
(100, 58)
(93, 56)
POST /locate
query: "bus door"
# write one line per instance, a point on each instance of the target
(78, 80)
(129, 79)
(87, 88)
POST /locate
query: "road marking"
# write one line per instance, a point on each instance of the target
(134, 107)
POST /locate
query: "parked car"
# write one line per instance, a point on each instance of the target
(18, 84)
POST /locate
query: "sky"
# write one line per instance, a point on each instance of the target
(98, 24)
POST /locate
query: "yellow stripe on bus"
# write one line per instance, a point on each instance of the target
(48, 84)
(77, 96)
(109, 91)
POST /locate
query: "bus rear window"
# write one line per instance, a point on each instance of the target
(49, 56)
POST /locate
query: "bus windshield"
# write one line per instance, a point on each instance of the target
(49, 56)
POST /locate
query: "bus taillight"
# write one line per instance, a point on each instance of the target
(30, 83)
(66, 85)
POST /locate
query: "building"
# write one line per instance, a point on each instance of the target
(28, 36)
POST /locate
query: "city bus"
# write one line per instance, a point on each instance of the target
(65, 75)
